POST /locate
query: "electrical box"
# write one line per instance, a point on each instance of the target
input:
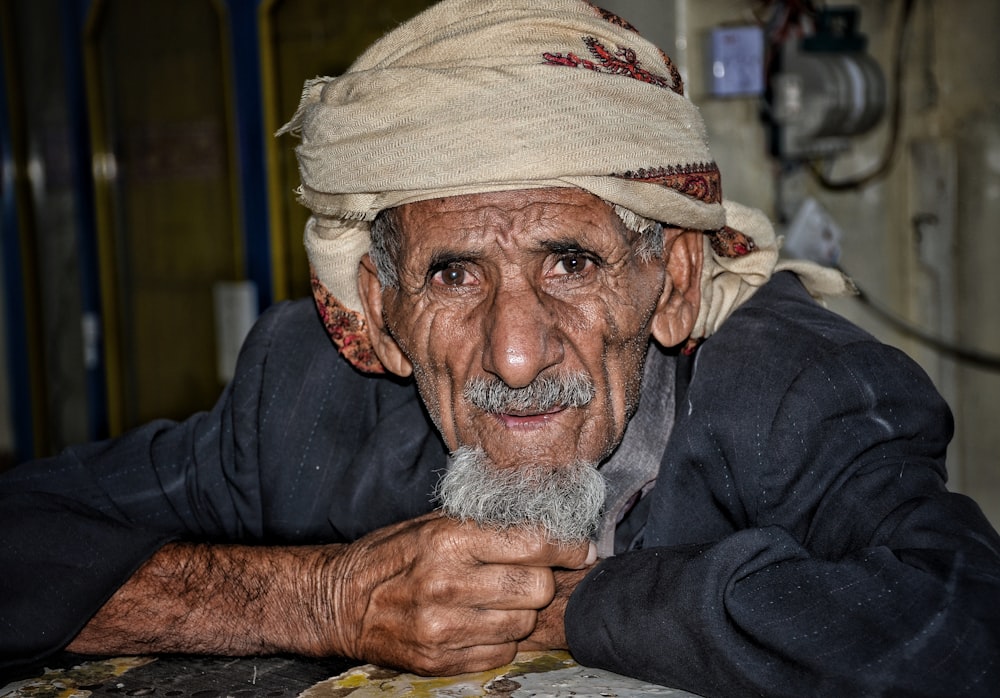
(736, 61)
(827, 89)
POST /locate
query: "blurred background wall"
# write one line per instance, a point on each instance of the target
(148, 216)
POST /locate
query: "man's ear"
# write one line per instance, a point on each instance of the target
(385, 347)
(678, 307)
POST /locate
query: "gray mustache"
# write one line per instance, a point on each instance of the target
(542, 394)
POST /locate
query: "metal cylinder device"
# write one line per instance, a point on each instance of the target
(822, 98)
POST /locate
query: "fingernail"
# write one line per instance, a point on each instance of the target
(591, 554)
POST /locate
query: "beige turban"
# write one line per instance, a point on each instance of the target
(474, 96)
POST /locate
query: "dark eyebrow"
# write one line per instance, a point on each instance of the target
(444, 257)
(561, 245)
(566, 245)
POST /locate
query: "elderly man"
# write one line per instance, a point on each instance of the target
(657, 450)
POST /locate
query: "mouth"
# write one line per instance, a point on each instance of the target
(527, 419)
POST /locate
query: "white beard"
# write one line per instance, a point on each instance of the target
(564, 502)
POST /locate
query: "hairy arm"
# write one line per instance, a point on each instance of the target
(215, 599)
(429, 595)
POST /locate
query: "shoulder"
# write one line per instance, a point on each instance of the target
(288, 363)
(338, 452)
(289, 324)
(781, 322)
(288, 348)
(782, 340)
(787, 400)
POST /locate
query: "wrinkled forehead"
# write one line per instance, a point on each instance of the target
(510, 216)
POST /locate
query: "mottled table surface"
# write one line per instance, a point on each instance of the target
(532, 674)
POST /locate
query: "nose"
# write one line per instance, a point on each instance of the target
(522, 337)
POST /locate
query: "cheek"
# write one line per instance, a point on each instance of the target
(621, 371)
(627, 319)
(634, 358)
(625, 314)
(615, 312)
(441, 346)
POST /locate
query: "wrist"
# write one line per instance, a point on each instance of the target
(550, 629)
(319, 613)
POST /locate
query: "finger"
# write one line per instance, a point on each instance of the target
(530, 547)
(483, 639)
(471, 627)
(466, 660)
(496, 627)
(518, 586)
(588, 559)
(498, 586)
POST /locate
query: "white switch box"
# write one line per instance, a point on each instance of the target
(736, 61)
(235, 314)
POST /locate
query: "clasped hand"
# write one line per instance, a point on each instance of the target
(437, 596)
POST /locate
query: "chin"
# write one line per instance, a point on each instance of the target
(562, 501)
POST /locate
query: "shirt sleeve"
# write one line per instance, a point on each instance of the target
(806, 546)
(76, 526)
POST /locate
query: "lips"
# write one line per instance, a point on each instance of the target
(527, 419)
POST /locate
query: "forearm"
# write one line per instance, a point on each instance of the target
(755, 614)
(430, 595)
(220, 599)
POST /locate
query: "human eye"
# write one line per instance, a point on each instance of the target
(452, 274)
(575, 263)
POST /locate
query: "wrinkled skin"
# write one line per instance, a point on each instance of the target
(517, 285)
(447, 597)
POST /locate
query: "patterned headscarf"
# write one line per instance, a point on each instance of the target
(475, 96)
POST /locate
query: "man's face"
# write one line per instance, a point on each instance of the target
(514, 288)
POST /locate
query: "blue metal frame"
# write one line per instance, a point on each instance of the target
(73, 18)
(249, 113)
(252, 175)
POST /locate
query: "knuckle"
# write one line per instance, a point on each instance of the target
(435, 631)
(520, 625)
(470, 660)
(545, 583)
(432, 665)
(438, 589)
(504, 655)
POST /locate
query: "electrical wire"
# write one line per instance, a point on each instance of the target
(896, 118)
(788, 19)
(973, 357)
